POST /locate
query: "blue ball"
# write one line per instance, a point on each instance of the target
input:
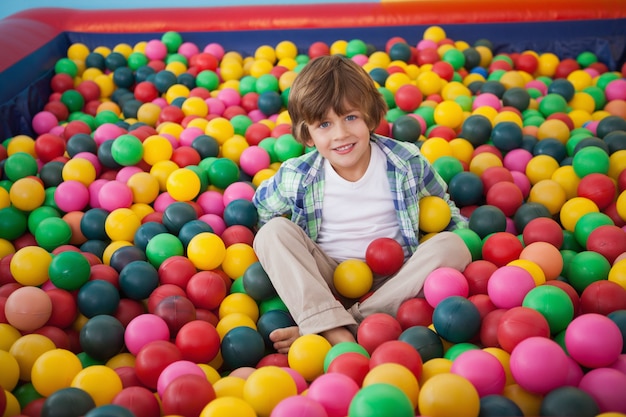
(272, 320)
(551, 147)
(191, 229)
(499, 406)
(147, 231)
(241, 212)
(424, 340)
(110, 410)
(68, 402)
(506, 136)
(92, 224)
(177, 214)
(466, 189)
(242, 346)
(269, 102)
(257, 283)
(486, 220)
(456, 319)
(102, 337)
(138, 280)
(97, 297)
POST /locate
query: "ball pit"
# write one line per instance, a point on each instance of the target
(134, 179)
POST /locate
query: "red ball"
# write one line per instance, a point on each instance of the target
(477, 274)
(139, 400)
(89, 89)
(376, 329)
(160, 293)
(598, 188)
(483, 303)
(185, 155)
(444, 132)
(250, 101)
(74, 127)
(171, 114)
(384, 256)
(187, 395)
(49, 146)
(500, 65)
(146, 92)
(256, 132)
(206, 289)
(232, 111)
(207, 315)
(318, 49)
(444, 69)
(489, 327)
(64, 308)
(198, 341)
(608, 240)
(611, 211)
(621, 181)
(106, 273)
(128, 309)
(527, 63)
(543, 229)
(505, 195)
(204, 61)
(153, 358)
(427, 56)
(603, 297)
(176, 270)
(60, 339)
(501, 248)
(176, 311)
(274, 359)
(415, 312)
(352, 364)
(495, 175)
(61, 82)
(400, 352)
(237, 233)
(408, 97)
(520, 323)
(566, 67)
(57, 108)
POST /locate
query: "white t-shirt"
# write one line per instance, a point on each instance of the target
(356, 213)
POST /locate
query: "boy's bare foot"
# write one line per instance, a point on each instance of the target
(284, 337)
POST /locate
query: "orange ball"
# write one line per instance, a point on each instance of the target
(547, 256)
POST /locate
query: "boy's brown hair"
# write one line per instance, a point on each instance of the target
(333, 82)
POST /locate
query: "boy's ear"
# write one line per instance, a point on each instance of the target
(309, 142)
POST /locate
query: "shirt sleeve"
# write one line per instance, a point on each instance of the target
(270, 198)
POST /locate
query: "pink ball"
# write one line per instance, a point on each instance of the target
(482, 369)
(174, 370)
(256, 115)
(593, 340)
(155, 50)
(508, 286)
(420, 119)
(539, 365)
(94, 191)
(107, 131)
(238, 191)
(189, 134)
(444, 282)
(93, 158)
(620, 363)
(144, 329)
(71, 195)
(616, 90)
(212, 202)
(114, 195)
(253, 159)
(517, 159)
(28, 308)
(229, 96)
(334, 391)
(425, 44)
(43, 122)
(301, 384)
(216, 106)
(486, 99)
(162, 202)
(538, 85)
(124, 174)
(360, 59)
(188, 49)
(300, 406)
(607, 386)
(574, 374)
(521, 180)
(216, 222)
(510, 226)
(215, 49)
(592, 126)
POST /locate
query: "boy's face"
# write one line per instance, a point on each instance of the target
(344, 140)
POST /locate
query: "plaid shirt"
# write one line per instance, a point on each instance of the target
(297, 190)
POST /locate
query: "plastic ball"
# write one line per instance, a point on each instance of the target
(384, 256)
(153, 358)
(543, 229)
(257, 283)
(434, 215)
(242, 346)
(163, 246)
(266, 387)
(486, 220)
(605, 385)
(590, 160)
(444, 282)
(102, 337)
(424, 340)
(71, 398)
(187, 395)
(381, 400)
(352, 278)
(466, 189)
(593, 340)
(574, 209)
(498, 405)
(500, 248)
(377, 329)
(29, 265)
(28, 308)
(306, 355)
(482, 369)
(456, 319)
(272, 320)
(136, 335)
(539, 365)
(101, 382)
(241, 212)
(304, 406)
(175, 370)
(228, 406)
(518, 324)
(508, 286)
(69, 270)
(585, 268)
(553, 303)
(437, 393)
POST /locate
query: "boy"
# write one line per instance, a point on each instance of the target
(355, 186)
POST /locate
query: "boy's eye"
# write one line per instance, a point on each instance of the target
(351, 117)
(324, 125)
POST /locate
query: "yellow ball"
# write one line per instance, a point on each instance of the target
(77, 51)
(161, 171)
(512, 79)
(211, 373)
(21, 143)
(286, 49)
(265, 52)
(434, 366)
(157, 148)
(260, 67)
(353, 278)
(121, 224)
(508, 116)
(396, 80)
(29, 265)
(148, 113)
(379, 59)
(434, 33)
(106, 84)
(145, 187)
(617, 164)
(232, 320)
(580, 79)
(266, 387)
(547, 64)
(554, 128)
(10, 371)
(529, 403)
(228, 407)
(100, 382)
(549, 193)
(176, 67)
(120, 360)
(567, 179)
(574, 209)
(239, 303)
(483, 161)
(429, 82)
(79, 169)
(621, 205)
(306, 355)
(206, 251)
(449, 395)
(231, 70)
(532, 268)
(397, 375)
(541, 167)
(13, 407)
(286, 80)
(55, 370)
(434, 148)
(8, 336)
(579, 117)
(233, 148)
(195, 106)
(176, 91)
(124, 49)
(434, 214)
(455, 89)
(27, 349)
(486, 55)
(262, 175)
(183, 184)
(505, 359)
(449, 113)
(339, 47)
(462, 149)
(220, 128)
(6, 247)
(27, 194)
(5, 199)
(229, 386)
(583, 101)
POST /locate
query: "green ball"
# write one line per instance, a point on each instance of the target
(106, 116)
(208, 79)
(237, 286)
(588, 223)
(25, 394)
(176, 57)
(274, 303)
(52, 233)
(447, 167)
(552, 103)
(590, 160)
(380, 400)
(597, 94)
(247, 84)
(427, 113)
(388, 97)
(202, 174)
(66, 66)
(137, 60)
(455, 350)
(20, 165)
(455, 58)
(69, 270)
(394, 114)
(567, 255)
(73, 100)
(241, 123)
(266, 82)
(127, 150)
(606, 78)
(586, 268)
(287, 147)
(570, 242)
(13, 223)
(472, 241)
(553, 303)
(39, 214)
(586, 58)
(341, 348)
(269, 145)
(223, 172)
(573, 142)
(162, 247)
(172, 41)
(356, 47)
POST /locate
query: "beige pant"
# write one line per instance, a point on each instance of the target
(302, 275)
